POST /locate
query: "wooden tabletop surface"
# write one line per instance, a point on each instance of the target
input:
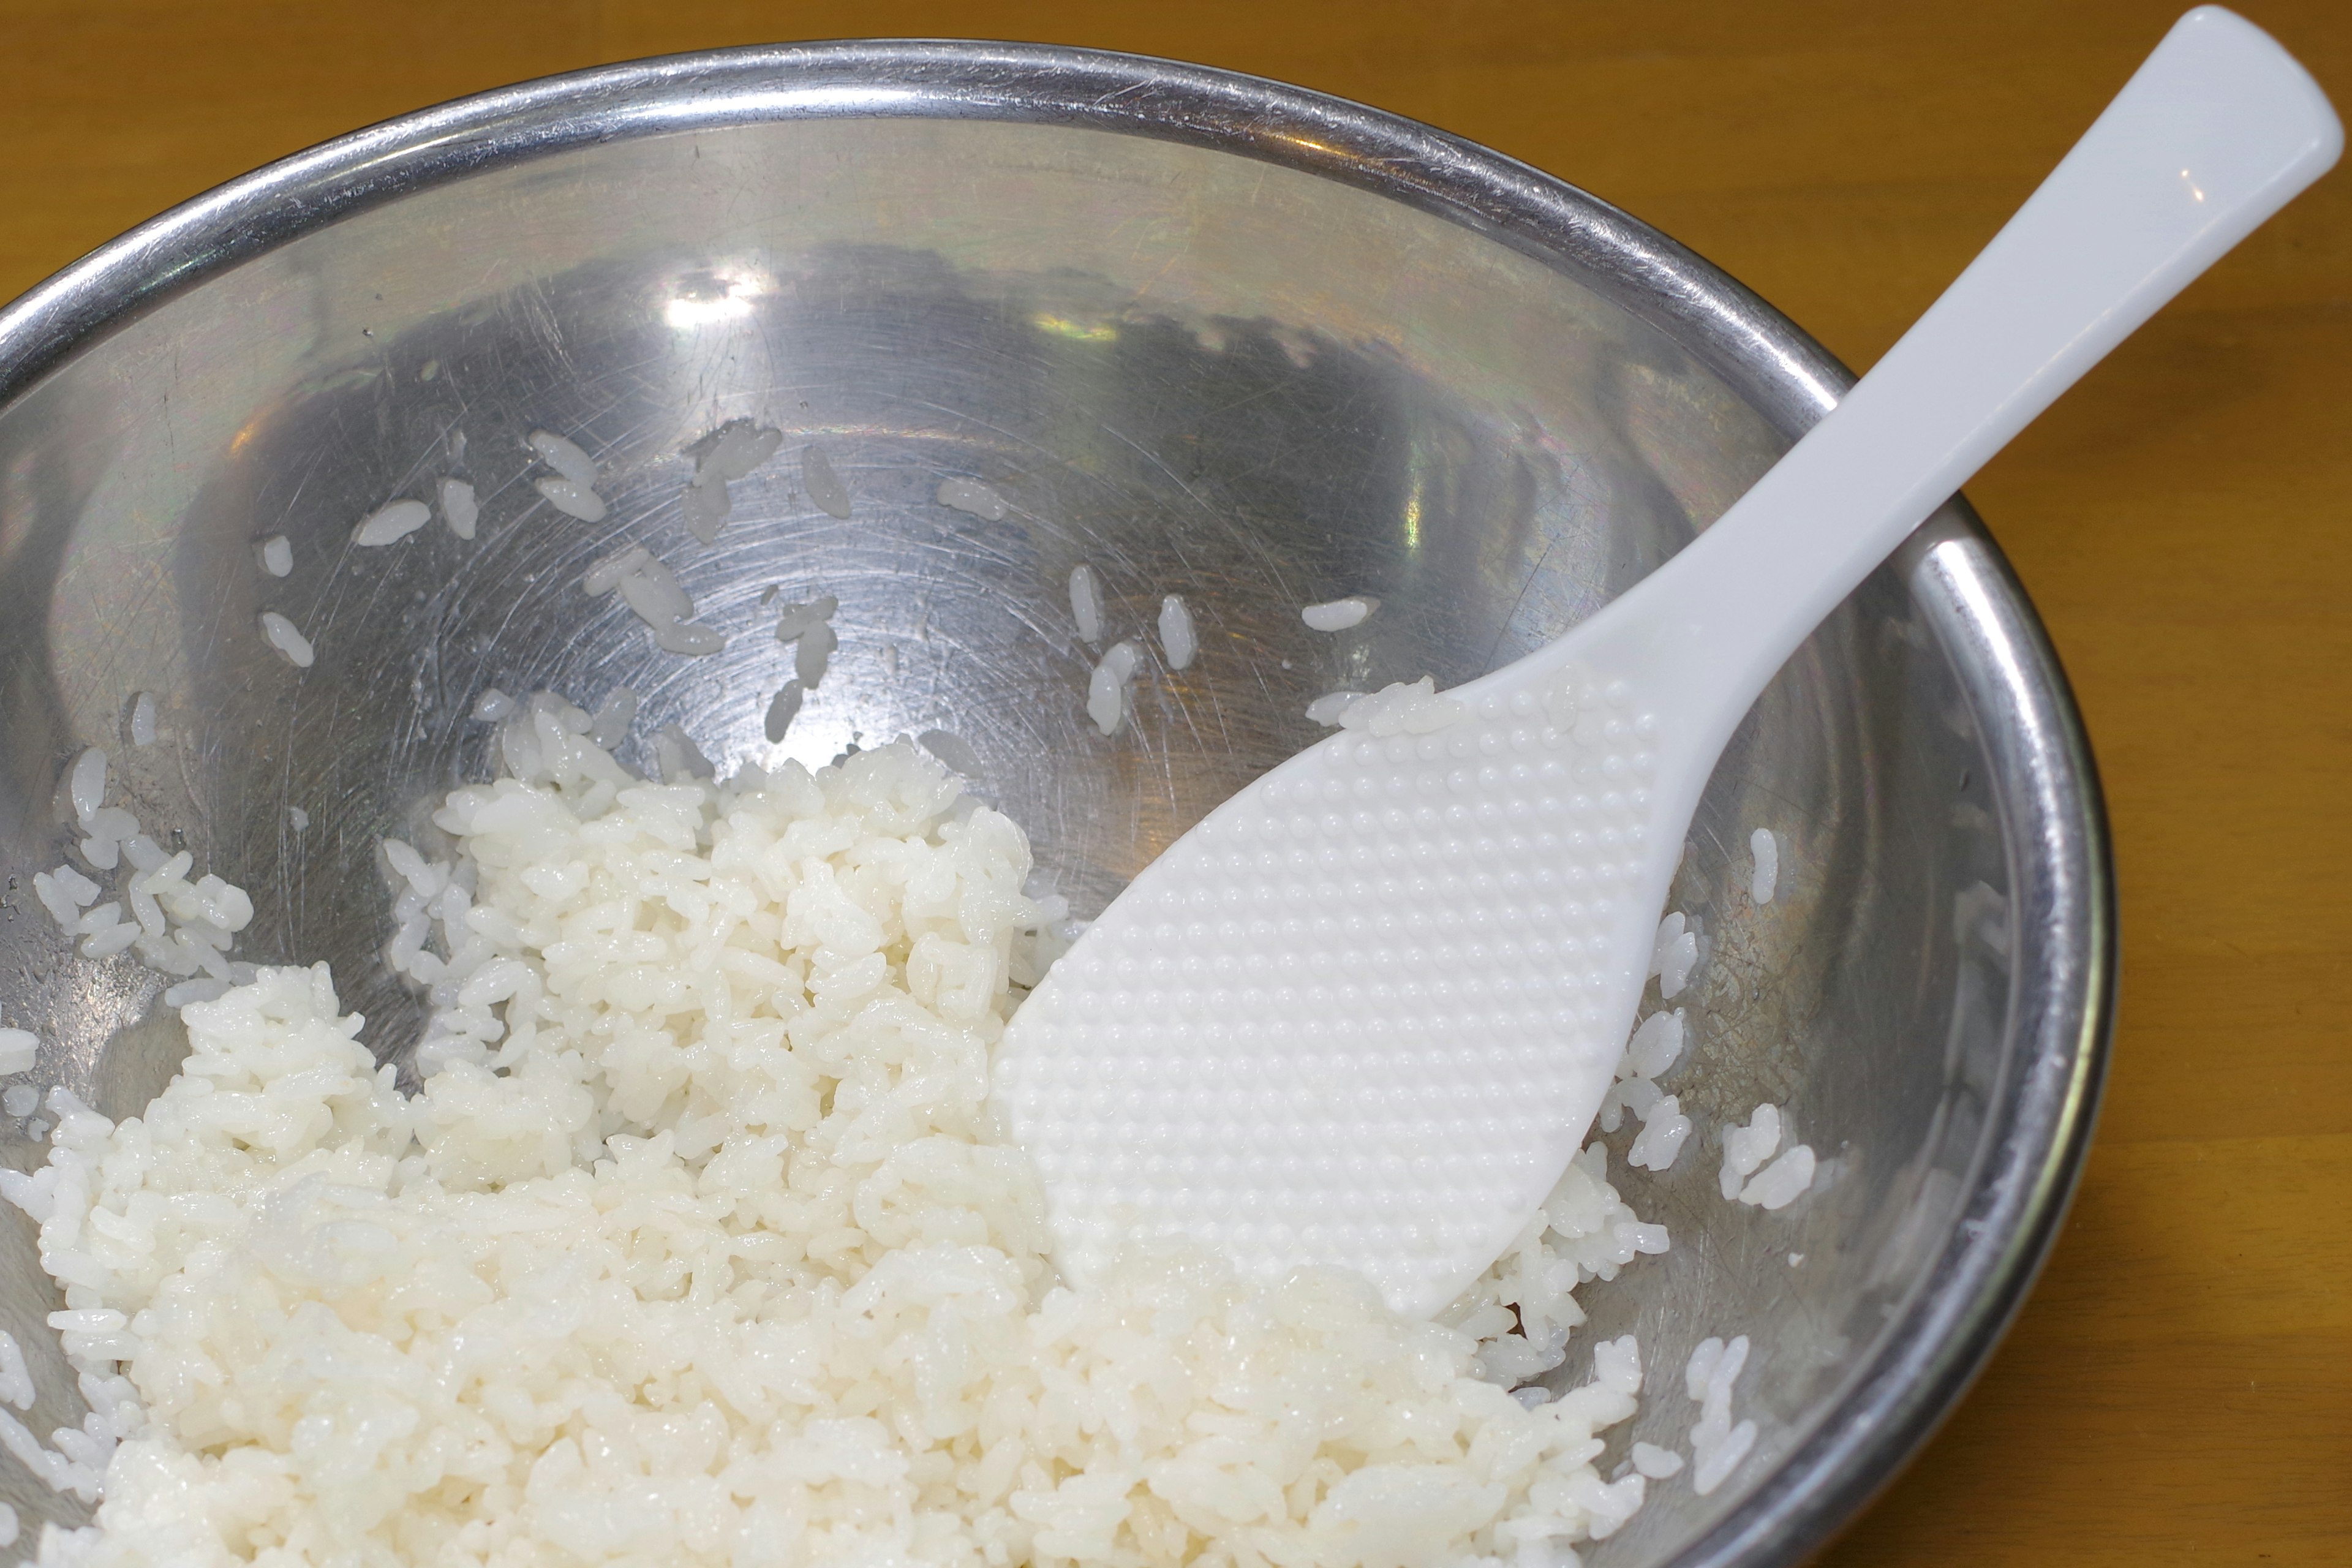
(2179, 1390)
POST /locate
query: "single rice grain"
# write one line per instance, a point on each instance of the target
(459, 509)
(390, 524)
(1178, 639)
(1338, 615)
(290, 643)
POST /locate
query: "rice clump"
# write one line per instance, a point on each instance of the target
(698, 1245)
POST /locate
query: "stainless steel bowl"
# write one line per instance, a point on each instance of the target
(1214, 335)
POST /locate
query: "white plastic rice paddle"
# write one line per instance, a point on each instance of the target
(1365, 1012)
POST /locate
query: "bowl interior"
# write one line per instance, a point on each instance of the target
(1201, 374)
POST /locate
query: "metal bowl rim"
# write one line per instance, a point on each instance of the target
(2062, 899)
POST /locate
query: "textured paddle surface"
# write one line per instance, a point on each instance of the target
(1362, 1013)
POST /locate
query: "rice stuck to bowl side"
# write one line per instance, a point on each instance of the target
(699, 1244)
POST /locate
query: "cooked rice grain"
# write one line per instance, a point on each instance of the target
(696, 1246)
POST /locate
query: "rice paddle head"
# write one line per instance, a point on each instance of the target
(1364, 1012)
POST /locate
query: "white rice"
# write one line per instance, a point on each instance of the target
(726, 455)
(63, 907)
(16, 1377)
(1086, 602)
(1716, 1445)
(277, 555)
(177, 927)
(86, 784)
(1782, 1181)
(1106, 685)
(1403, 709)
(1656, 1044)
(1327, 708)
(143, 719)
(605, 574)
(1765, 876)
(691, 638)
(720, 1263)
(1664, 1130)
(19, 1048)
(651, 589)
(573, 498)
(794, 621)
(1178, 639)
(741, 446)
(974, 497)
(1745, 1149)
(65, 893)
(22, 1099)
(1656, 1462)
(107, 828)
(291, 643)
(565, 457)
(1338, 615)
(823, 485)
(107, 941)
(810, 625)
(1638, 1095)
(112, 822)
(390, 524)
(206, 989)
(612, 717)
(299, 817)
(696, 1242)
(655, 597)
(492, 705)
(459, 509)
(1674, 955)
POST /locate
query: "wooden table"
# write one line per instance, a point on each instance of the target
(2179, 1388)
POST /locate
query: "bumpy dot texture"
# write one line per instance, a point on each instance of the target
(1363, 1012)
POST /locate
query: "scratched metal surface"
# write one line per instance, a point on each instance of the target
(1200, 372)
